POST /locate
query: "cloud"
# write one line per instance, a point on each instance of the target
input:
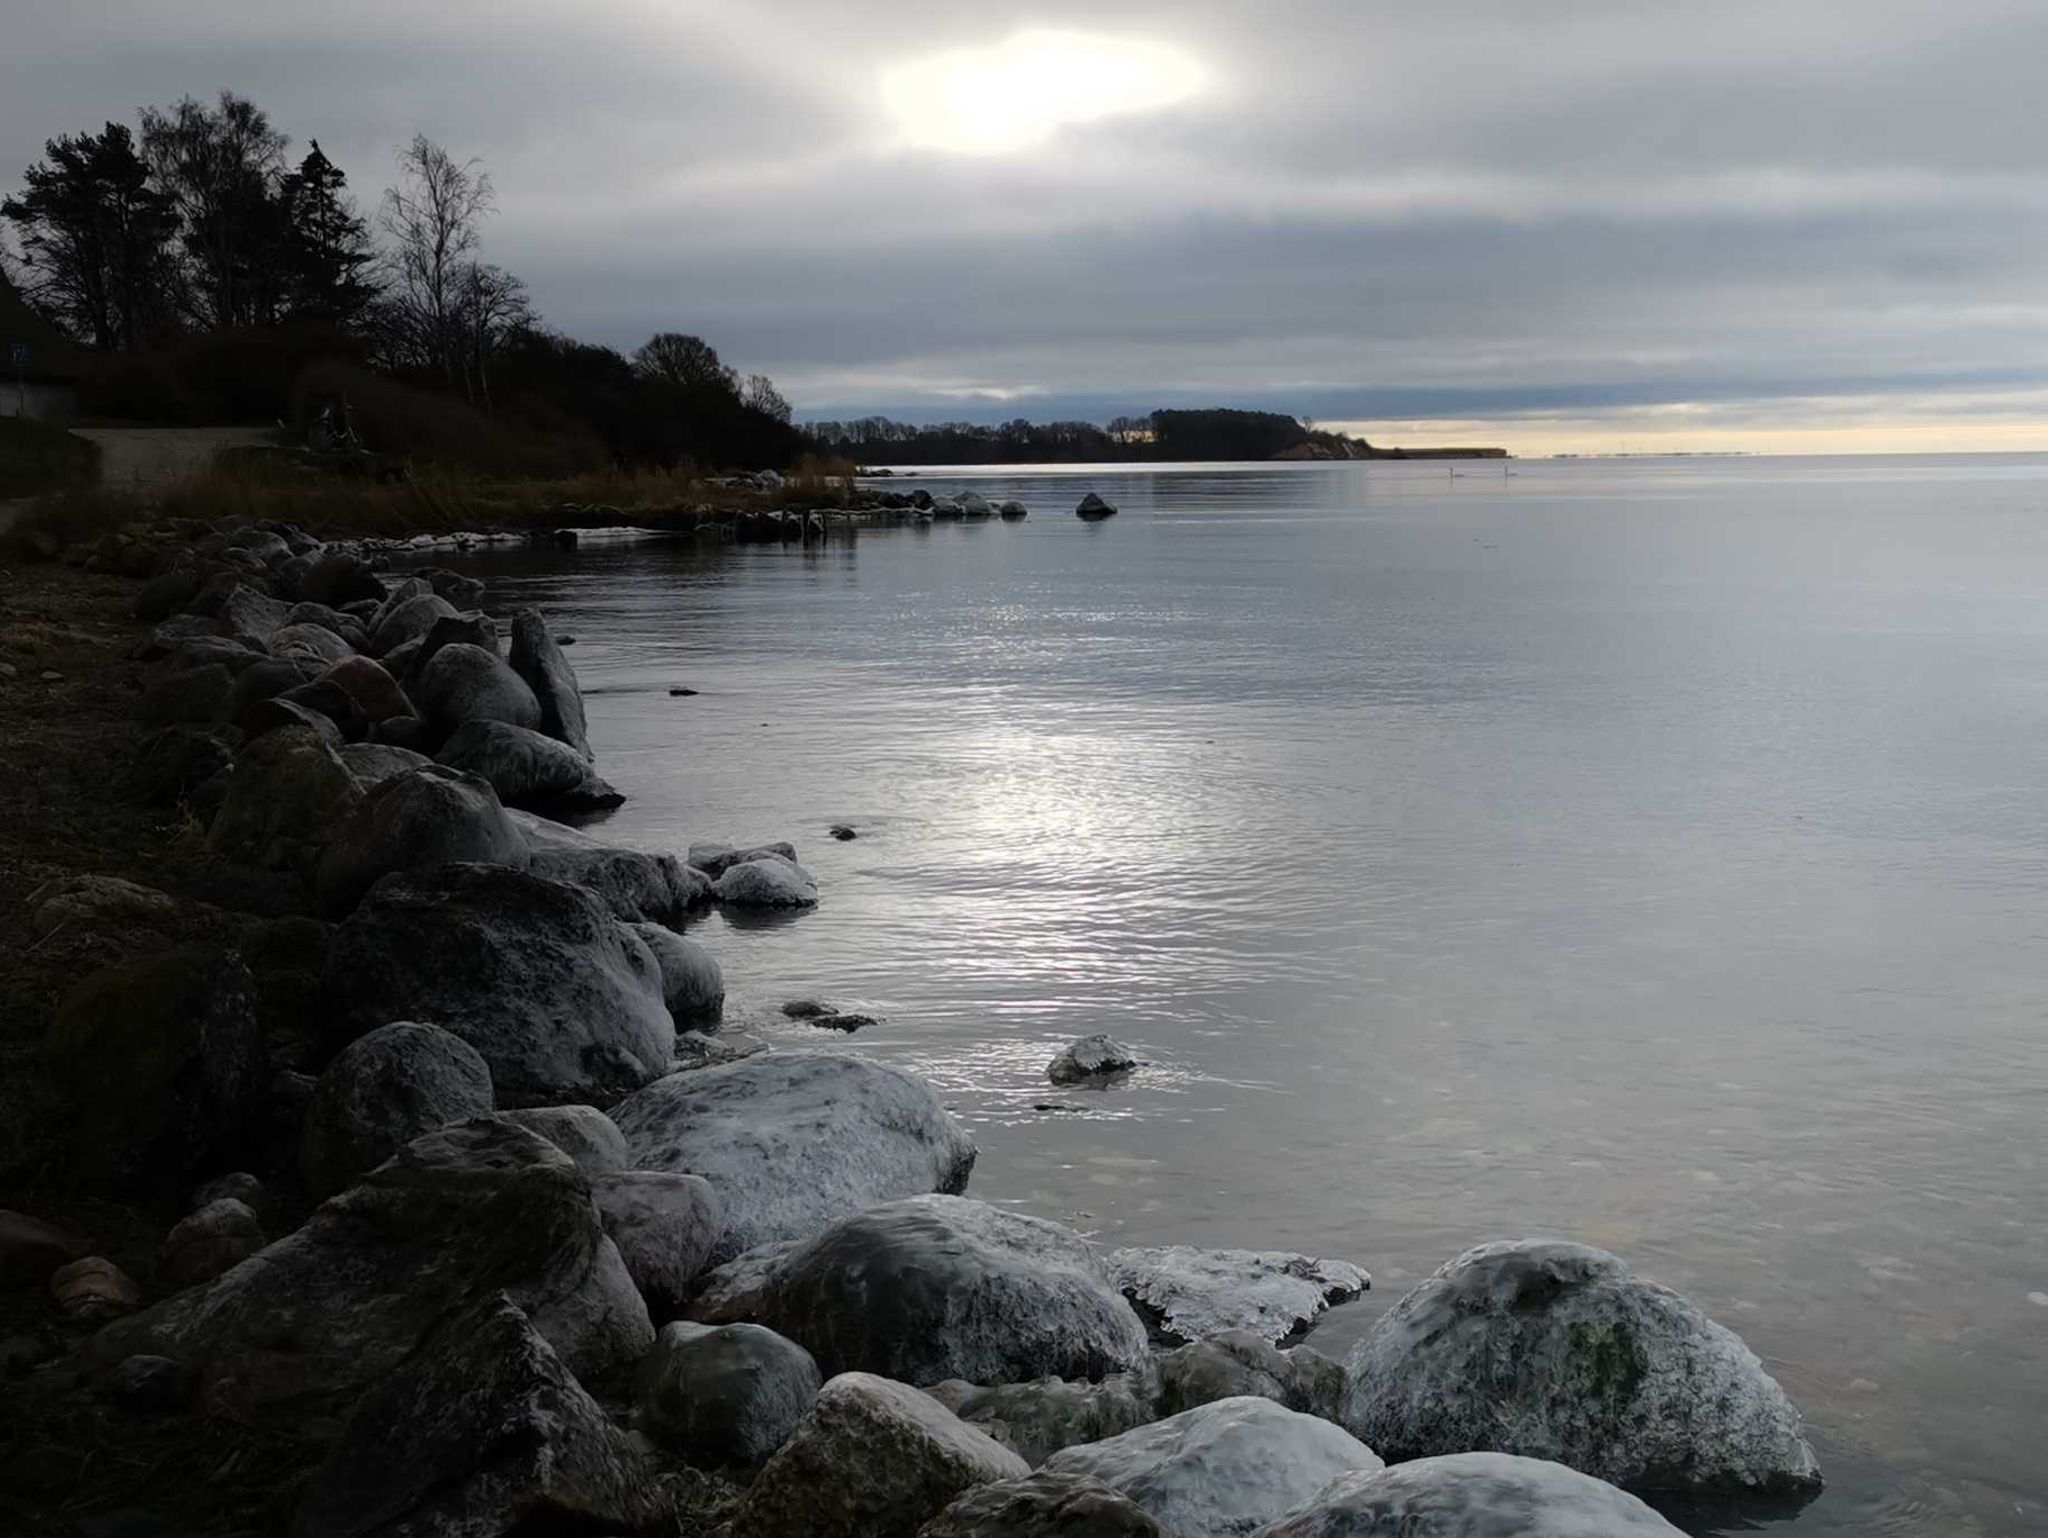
(1477, 212)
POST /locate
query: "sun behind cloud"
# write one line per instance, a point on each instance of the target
(1016, 94)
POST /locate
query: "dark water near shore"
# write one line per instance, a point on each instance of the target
(1651, 852)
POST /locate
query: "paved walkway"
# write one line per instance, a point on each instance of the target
(149, 459)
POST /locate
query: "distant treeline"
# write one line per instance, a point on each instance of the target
(210, 277)
(1164, 435)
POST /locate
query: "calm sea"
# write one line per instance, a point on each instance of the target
(1650, 852)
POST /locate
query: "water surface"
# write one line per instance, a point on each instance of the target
(1648, 852)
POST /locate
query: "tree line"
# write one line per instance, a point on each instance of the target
(1219, 434)
(200, 234)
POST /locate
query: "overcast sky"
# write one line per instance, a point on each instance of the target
(1552, 223)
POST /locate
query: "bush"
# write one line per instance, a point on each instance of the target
(431, 429)
(39, 457)
(230, 378)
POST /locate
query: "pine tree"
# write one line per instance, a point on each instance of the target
(328, 257)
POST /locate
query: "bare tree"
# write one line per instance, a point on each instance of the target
(434, 217)
(759, 394)
(490, 304)
(686, 361)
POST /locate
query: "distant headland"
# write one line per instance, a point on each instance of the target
(1176, 436)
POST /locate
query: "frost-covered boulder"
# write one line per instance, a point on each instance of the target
(1187, 1294)
(935, 1287)
(1554, 1350)
(730, 1393)
(430, 816)
(583, 1132)
(1239, 1362)
(793, 1141)
(539, 660)
(665, 1227)
(1044, 1505)
(383, 1090)
(1222, 1469)
(559, 998)
(1472, 1495)
(466, 683)
(1092, 1057)
(482, 1430)
(767, 883)
(691, 981)
(872, 1459)
(640, 888)
(295, 1335)
(527, 769)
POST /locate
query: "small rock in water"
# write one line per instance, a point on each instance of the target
(847, 1021)
(841, 831)
(1092, 1057)
(806, 1009)
(680, 693)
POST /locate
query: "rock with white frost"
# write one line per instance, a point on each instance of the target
(1472, 1495)
(1223, 1469)
(872, 1459)
(1554, 1350)
(727, 1393)
(429, 816)
(539, 660)
(691, 981)
(557, 996)
(1044, 1505)
(295, 1335)
(935, 1287)
(483, 1430)
(793, 1141)
(665, 1227)
(1186, 1294)
(767, 883)
(1092, 1057)
(383, 1090)
(583, 1132)
(716, 859)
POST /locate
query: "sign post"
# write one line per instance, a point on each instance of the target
(18, 352)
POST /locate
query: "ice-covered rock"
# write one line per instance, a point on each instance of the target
(1472, 1495)
(796, 1140)
(1186, 1294)
(1222, 1469)
(1554, 1350)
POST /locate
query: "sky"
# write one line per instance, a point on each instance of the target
(1557, 225)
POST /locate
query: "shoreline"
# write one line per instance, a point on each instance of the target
(78, 817)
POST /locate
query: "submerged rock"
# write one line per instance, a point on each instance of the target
(1223, 1469)
(1554, 1350)
(1092, 1057)
(483, 1430)
(731, 1393)
(872, 1459)
(1185, 1294)
(795, 1140)
(383, 1090)
(1044, 1505)
(1472, 1495)
(935, 1287)
(560, 999)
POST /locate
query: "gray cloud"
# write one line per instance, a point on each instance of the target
(1464, 210)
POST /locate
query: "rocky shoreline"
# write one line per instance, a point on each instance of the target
(390, 1170)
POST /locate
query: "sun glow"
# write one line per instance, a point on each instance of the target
(1018, 93)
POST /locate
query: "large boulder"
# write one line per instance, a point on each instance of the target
(638, 888)
(288, 790)
(691, 981)
(1044, 1505)
(375, 691)
(163, 1058)
(796, 1140)
(538, 659)
(466, 683)
(665, 1227)
(266, 680)
(935, 1287)
(872, 1459)
(408, 619)
(316, 642)
(372, 763)
(583, 1132)
(1223, 1469)
(1472, 1495)
(247, 615)
(382, 1091)
(1186, 1294)
(527, 769)
(295, 1335)
(767, 883)
(728, 1393)
(339, 576)
(472, 628)
(1553, 1350)
(322, 696)
(430, 816)
(559, 998)
(218, 1236)
(482, 1430)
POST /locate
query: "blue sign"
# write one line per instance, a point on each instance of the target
(17, 353)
